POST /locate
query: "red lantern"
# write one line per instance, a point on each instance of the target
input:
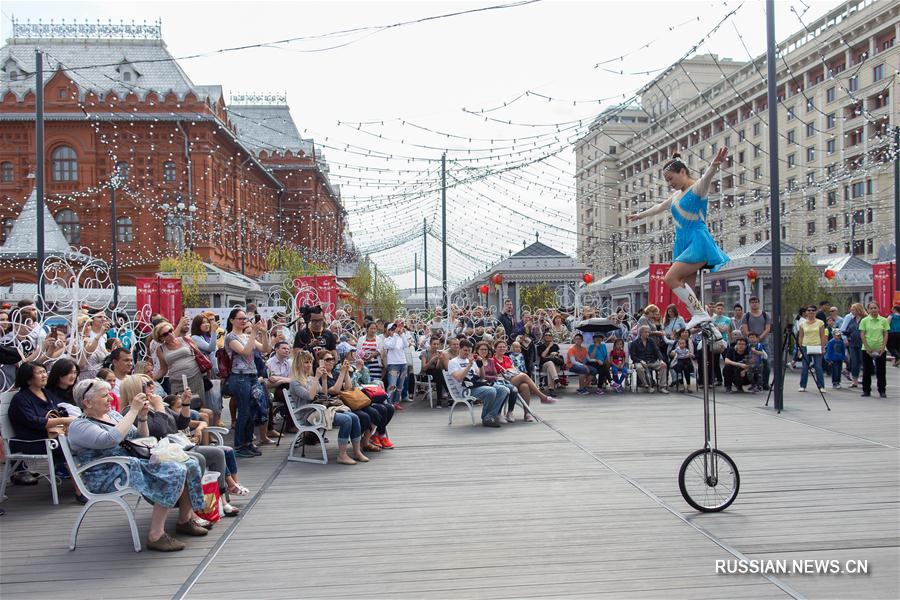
(497, 278)
(484, 289)
(587, 278)
(751, 275)
(829, 274)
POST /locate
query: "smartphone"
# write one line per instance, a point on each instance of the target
(184, 381)
(257, 318)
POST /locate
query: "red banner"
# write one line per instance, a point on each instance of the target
(660, 294)
(162, 295)
(328, 293)
(305, 291)
(884, 281)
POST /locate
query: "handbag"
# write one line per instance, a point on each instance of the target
(375, 393)
(203, 363)
(814, 349)
(183, 440)
(355, 399)
(137, 447)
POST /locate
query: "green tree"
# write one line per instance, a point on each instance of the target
(361, 284)
(801, 288)
(385, 299)
(293, 265)
(538, 296)
(189, 267)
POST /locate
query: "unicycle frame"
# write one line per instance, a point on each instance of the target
(710, 434)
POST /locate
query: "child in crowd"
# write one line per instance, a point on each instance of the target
(682, 362)
(617, 364)
(757, 360)
(835, 354)
(344, 347)
(517, 358)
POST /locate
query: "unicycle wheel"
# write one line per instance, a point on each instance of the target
(709, 480)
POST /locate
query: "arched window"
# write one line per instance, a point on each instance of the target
(6, 172)
(169, 171)
(70, 225)
(7, 228)
(126, 76)
(124, 230)
(65, 164)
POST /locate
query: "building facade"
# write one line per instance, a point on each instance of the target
(837, 90)
(121, 114)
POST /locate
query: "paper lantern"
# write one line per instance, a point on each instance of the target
(751, 275)
(484, 289)
(829, 274)
(587, 278)
(497, 278)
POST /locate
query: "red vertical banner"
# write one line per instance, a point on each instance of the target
(660, 294)
(170, 299)
(146, 301)
(884, 281)
(326, 285)
(305, 291)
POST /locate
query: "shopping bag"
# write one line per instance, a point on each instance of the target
(210, 511)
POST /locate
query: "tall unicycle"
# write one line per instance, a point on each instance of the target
(708, 478)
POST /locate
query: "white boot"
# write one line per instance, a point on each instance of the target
(698, 314)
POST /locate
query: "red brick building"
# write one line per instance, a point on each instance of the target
(192, 177)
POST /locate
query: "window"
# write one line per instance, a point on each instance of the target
(756, 151)
(742, 241)
(858, 189)
(6, 172)
(829, 146)
(870, 187)
(792, 136)
(832, 248)
(853, 83)
(7, 228)
(742, 179)
(811, 177)
(742, 135)
(62, 94)
(126, 75)
(832, 198)
(64, 164)
(790, 114)
(612, 150)
(756, 129)
(70, 225)
(169, 171)
(757, 237)
(810, 106)
(791, 161)
(741, 156)
(878, 73)
(122, 170)
(829, 95)
(810, 130)
(832, 223)
(869, 246)
(757, 173)
(124, 230)
(791, 183)
(811, 203)
(742, 220)
(811, 228)
(810, 154)
(830, 120)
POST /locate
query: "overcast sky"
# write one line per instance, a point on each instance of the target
(423, 75)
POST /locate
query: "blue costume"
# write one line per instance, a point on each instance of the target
(693, 242)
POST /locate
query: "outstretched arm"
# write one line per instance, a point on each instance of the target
(653, 210)
(701, 186)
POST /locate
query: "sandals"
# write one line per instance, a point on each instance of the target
(238, 490)
(230, 511)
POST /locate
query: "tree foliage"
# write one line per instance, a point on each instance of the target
(806, 286)
(538, 296)
(189, 267)
(291, 262)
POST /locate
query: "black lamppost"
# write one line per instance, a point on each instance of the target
(115, 182)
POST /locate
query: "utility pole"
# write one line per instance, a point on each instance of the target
(425, 258)
(896, 214)
(39, 166)
(444, 232)
(415, 273)
(774, 207)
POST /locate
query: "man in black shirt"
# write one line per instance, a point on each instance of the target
(737, 366)
(645, 355)
(314, 336)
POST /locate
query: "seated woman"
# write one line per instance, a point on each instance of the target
(558, 330)
(484, 357)
(99, 432)
(598, 357)
(340, 380)
(576, 359)
(550, 361)
(61, 382)
(519, 379)
(305, 387)
(35, 416)
(360, 377)
(164, 420)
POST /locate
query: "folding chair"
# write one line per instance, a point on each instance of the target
(13, 459)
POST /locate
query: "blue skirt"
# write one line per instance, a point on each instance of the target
(696, 245)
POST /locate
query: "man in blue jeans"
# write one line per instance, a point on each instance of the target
(493, 398)
(395, 344)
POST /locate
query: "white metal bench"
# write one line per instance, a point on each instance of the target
(426, 386)
(123, 488)
(465, 399)
(13, 459)
(307, 418)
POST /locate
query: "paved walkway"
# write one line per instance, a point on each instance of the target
(584, 504)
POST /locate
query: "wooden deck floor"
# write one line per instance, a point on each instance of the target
(585, 504)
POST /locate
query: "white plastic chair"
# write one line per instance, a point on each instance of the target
(307, 418)
(123, 488)
(465, 398)
(423, 386)
(13, 459)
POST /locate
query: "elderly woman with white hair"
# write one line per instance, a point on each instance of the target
(99, 432)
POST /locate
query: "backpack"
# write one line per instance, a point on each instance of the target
(223, 359)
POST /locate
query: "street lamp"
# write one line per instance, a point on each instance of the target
(176, 217)
(115, 182)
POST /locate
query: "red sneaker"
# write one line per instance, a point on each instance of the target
(376, 440)
(386, 442)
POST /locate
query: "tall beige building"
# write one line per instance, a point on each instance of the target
(837, 85)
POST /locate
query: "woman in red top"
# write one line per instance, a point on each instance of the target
(521, 381)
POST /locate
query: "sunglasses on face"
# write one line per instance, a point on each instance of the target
(167, 333)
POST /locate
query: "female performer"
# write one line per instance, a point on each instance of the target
(694, 246)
